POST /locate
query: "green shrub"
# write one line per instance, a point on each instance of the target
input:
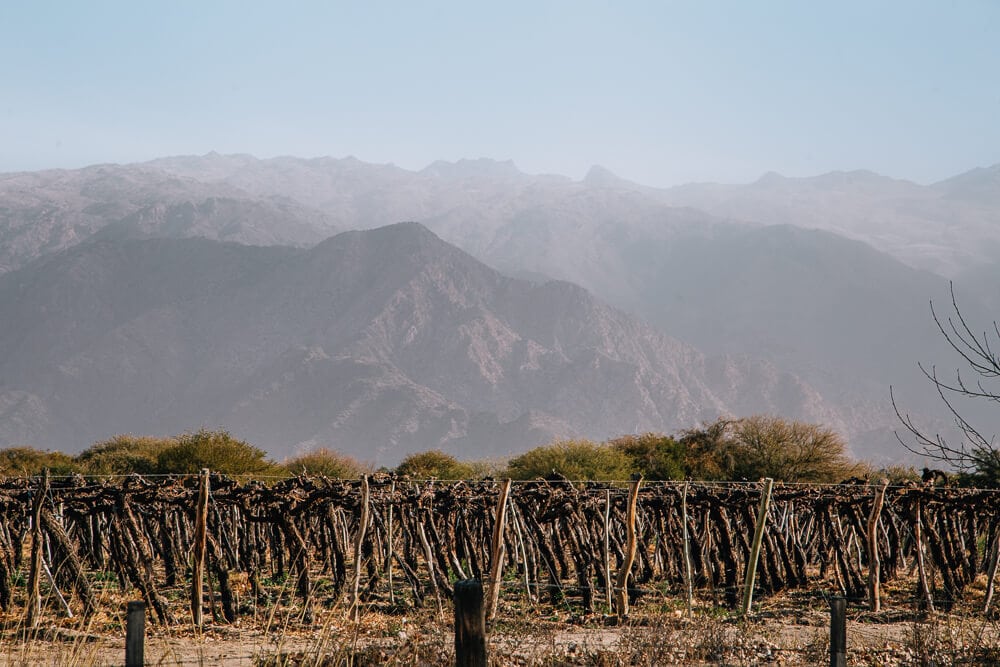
(788, 451)
(655, 456)
(218, 451)
(434, 463)
(327, 462)
(706, 449)
(24, 461)
(123, 454)
(575, 459)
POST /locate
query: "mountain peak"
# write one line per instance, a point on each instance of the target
(599, 176)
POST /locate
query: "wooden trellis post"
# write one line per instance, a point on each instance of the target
(688, 583)
(498, 551)
(358, 543)
(200, 540)
(621, 584)
(470, 625)
(607, 546)
(35, 573)
(758, 536)
(388, 542)
(874, 562)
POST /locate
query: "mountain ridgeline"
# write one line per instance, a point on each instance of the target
(216, 291)
(378, 343)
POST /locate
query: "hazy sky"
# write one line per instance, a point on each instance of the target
(660, 92)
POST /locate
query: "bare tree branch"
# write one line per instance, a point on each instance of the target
(975, 453)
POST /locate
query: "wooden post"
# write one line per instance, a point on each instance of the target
(135, 633)
(200, 539)
(918, 536)
(388, 540)
(688, 584)
(497, 552)
(874, 562)
(758, 536)
(621, 584)
(35, 573)
(607, 546)
(358, 543)
(838, 632)
(470, 624)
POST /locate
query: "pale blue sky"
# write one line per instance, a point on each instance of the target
(660, 92)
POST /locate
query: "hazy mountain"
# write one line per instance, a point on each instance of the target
(946, 227)
(43, 212)
(704, 263)
(378, 343)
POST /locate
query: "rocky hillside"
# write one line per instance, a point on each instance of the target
(47, 211)
(379, 343)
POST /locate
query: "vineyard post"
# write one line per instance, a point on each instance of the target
(497, 551)
(758, 536)
(200, 539)
(689, 586)
(358, 543)
(918, 537)
(874, 562)
(135, 633)
(388, 540)
(621, 585)
(35, 573)
(470, 624)
(838, 632)
(607, 545)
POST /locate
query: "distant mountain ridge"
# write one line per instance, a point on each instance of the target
(47, 211)
(761, 272)
(378, 343)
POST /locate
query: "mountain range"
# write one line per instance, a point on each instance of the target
(192, 291)
(377, 342)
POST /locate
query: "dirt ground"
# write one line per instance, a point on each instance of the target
(650, 640)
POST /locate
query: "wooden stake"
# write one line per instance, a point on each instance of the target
(470, 625)
(200, 539)
(358, 543)
(874, 562)
(607, 546)
(838, 632)
(497, 552)
(388, 540)
(688, 584)
(35, 573)
(621, 584)
(918, 535)
(758, 536)
(135, 634)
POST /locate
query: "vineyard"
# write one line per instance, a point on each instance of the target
(388, 541)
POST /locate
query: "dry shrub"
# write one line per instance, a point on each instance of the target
(329, 463)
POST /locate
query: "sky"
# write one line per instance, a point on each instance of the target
(659, 92)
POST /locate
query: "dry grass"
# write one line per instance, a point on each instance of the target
(788, 629)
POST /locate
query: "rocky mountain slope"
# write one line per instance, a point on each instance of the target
(703, 263)
(946, 227)
(378, 343)
(47, 211)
